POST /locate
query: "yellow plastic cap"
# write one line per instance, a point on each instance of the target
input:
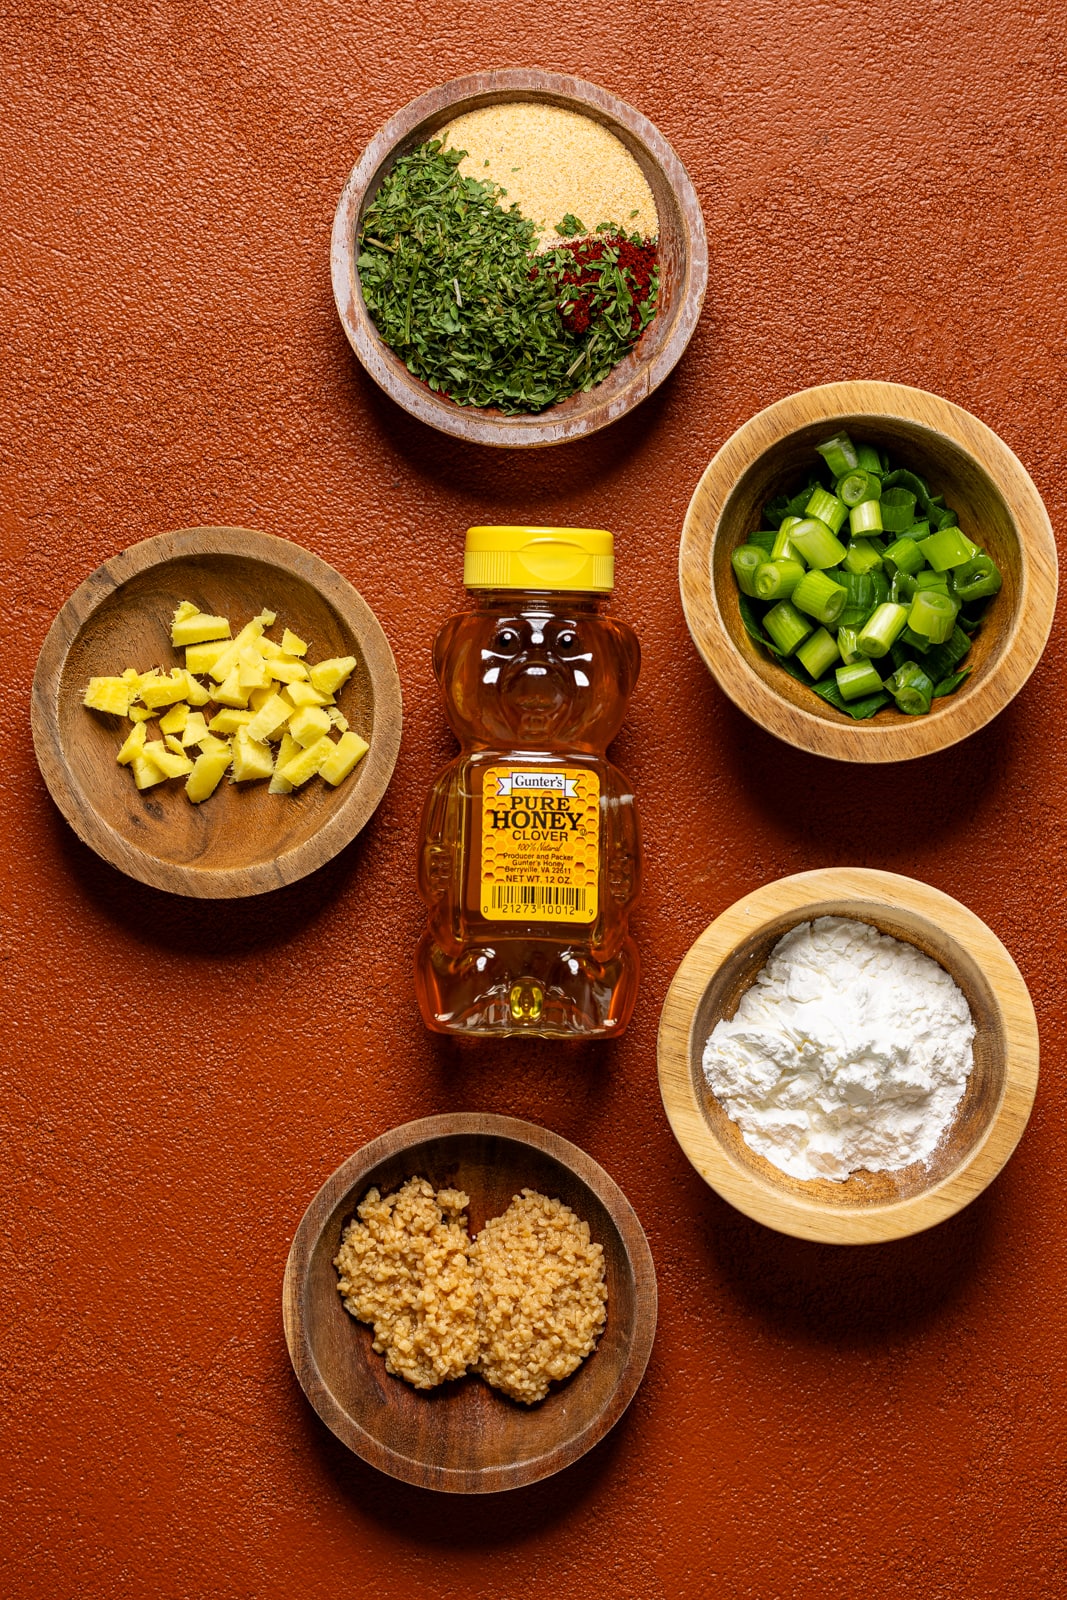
(540, 558)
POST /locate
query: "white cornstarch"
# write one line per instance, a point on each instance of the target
(851, 1049)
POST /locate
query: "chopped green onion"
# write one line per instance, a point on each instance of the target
(776, 580)
(818, 653)
(846, 643)
(818, 545)
(919, 530)
(903, 555)
(881, 630)
(856, 680)
(976, 579)
(786, 627)
(783, 548)
(839, 453)
(913, 641)
(881, 586)
(926, 579)
(868, 458)
(858, 486)
(746, 562)
(911, 688)
(865, 518)
(933, 615)
(820, 597)
(898, 510)
(945, 658)
(861, 556)
(827, 508)
(862, 595)
(902, 589)
(947, 548)
(941, 516)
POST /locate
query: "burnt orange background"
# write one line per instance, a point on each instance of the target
(884, 191)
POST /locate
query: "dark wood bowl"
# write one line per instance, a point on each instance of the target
(242, 840)
(465, 1437)
(683, 259)
(867, 1207)
(961, 458)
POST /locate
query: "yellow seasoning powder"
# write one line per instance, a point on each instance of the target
(553, 163)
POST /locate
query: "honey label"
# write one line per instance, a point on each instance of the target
(540, 844)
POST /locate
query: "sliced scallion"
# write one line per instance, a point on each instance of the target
(746, 562)
(856, 680)
(818, 653)
(868, 458)
(827, 508)
(818, 596)
(898, 510)
(839, 453)
(933, 615)
(818, 545)
(947, 548)
(911, 688)
(928, 579)
(786, 627)
(846, 644)
(976, 579)
(776, 580)
(904, 555)
(862, 556)
(881, 630)
(902, 589)
(865, 518)
(783, 548)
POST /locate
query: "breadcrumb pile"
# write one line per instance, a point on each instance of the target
(522, 1306)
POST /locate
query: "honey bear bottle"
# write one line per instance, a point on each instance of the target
(530, 857)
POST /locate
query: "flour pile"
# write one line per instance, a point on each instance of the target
(851, 1049)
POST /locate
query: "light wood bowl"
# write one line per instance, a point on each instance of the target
(962, 459)
(868, 1207)
(683, 259)
(465, 1437)
(242, 841)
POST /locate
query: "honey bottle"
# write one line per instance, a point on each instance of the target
(530, 855)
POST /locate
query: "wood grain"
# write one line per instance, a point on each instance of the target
(961, 458)
(465, 1437)
(242, 841)
(868, 1207)
(683, 259)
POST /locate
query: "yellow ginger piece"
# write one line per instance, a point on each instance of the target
(108, 694)
(221, 668)
(230, 691)
(292, 644)
(202, 657)
(258, 698)
(330, 675)
(196, 627)
(287, 671)
(195, 728)
(304, 694)
(269, 718)
(175, 719)
(229, 721)
(267, 618)
(288, 750)
(209, 745)
(307, 763)
(336, 719)
(197, 695)
(146, 773)
(164, 691)
(267, 647)
(206, 774)
(172, 764)
(140, 714)
(133, 746)
(343, 756)
(250, 758)
(308, 725)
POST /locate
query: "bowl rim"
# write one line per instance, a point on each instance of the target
(759, 1198)
(76, 805)
(868, 741)
(467, 422)
(349, 1176)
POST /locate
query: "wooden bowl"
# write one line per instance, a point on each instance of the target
(465, 1437)
(683, 259)
(869, 1206)
(962, 459)
(242, 840)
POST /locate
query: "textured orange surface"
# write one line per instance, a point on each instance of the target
(885, 197)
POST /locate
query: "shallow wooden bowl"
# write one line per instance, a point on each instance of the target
(683, 259)
(868, 1207)
(242, 840)
(962, 459)
(465, 1437)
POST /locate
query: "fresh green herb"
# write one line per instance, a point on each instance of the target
(571, 225)
(455, 286)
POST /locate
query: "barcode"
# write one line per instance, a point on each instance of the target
(536, 897)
